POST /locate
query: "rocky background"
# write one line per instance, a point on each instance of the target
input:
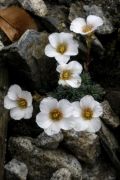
(31, 154)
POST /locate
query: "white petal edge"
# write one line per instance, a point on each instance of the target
(28, 112)
(66, 107)
(61, 59)
(54, 39)
(87, 101)
(14, 92)
(17, 113)
(50, 51)
(47, 104)
(8, 103)
(75, 66)
(77, 25)
(94, 125)
(43, 120)
(52, 129)
(95, 21)
(74, 82)
(79, 125)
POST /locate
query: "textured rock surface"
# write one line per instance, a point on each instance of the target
(28, 58)
(42, 163)
(113, 96)
(109, 116)
(100, 171)
(61, 174)
(37, 7)
(16, 170)
(85, 146)
(48, 142)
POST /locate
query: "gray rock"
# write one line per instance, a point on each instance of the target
(48, 142)
(6, 3)
(42, 163)
(28, 58)
(61, 174)
(15, 170)
(76, 10)
(100, 171)
(107, 27)
(109, 116)
(85, 146)
(57, 17)
(37, 7)
(113, 96)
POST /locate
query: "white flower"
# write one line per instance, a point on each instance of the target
(86, 114)
(19, 102)
(54, 115)
(80, 26)
(70, 74)
(62, 46)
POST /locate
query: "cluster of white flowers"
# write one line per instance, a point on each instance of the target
(81, 116)
(55, 115)
(62, 45)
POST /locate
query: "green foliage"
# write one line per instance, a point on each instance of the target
(75, 94)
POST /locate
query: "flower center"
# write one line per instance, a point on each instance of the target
(55, 115)
(22, 103)
(66, 75)
(87, 114)
(87, 28)
(62, 48)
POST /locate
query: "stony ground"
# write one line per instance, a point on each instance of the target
(31, 154)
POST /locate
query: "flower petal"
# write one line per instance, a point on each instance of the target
(52, 129)
(54, 39)
(47, 104)
(50, 51)
(74, 82)
(94, 125)
(98, 110)
(67, 123)
(61, 59)
(75, 66)
(95, 21)
(61, 67)
(72, 47)
(64, 37)
(14, 92)
(28, 112)
(27, 96)
(62, 82)
(66, 107)
(43, 120)
(79, 125)
(8, 103)
(17, 113)
(87, 101)
(77, 25)
(76, 109)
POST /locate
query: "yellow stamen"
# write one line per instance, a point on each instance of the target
(22, 103)
(87, 113)
(62, 48)
(87, 28)
(55, 115)
(66, 75)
